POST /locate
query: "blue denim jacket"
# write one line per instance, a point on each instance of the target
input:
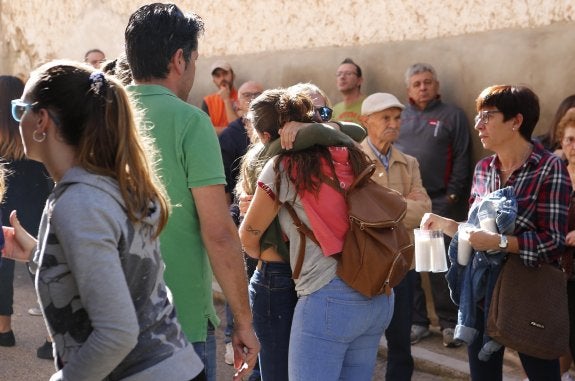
(474, 283)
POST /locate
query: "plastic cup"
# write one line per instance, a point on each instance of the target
(487, 220)
(429, 251)
(464, 249)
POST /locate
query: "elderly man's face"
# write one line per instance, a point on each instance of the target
(246, 93)
(423, 88)
(383, 126)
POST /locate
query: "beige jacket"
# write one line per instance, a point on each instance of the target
(404, 177)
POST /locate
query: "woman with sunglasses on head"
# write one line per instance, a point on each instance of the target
(272, 290)
(506, 118)
(99, 278)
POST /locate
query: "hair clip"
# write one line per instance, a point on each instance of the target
(98, 83)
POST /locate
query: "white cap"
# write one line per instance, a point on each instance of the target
(220, 64)
(379, 102)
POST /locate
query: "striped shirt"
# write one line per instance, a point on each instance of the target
(542, 188)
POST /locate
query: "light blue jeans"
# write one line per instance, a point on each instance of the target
(335, 334)
(206, 351)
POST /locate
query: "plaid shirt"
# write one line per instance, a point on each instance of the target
(542, 188)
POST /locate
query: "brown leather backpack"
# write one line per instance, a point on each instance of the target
(377, 251)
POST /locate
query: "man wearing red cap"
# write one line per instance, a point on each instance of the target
(222, 105)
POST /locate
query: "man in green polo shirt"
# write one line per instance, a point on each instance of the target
(162, 48)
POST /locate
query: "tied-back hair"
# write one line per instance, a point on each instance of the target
(310, 89)
(11, 147)
(270, 111)
(93, 113)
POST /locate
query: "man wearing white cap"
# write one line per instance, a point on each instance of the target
(222, 106)
(381, 117)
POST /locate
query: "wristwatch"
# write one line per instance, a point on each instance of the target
(503, 242)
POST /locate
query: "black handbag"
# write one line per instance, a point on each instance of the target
(528, 311)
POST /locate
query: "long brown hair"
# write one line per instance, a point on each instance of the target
(11, 147)
(270, 111)
(94, 114)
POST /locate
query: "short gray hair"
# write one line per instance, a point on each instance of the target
(419, 68)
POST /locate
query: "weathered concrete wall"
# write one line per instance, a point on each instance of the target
(541, 58)
(473, 44)
(36, 30)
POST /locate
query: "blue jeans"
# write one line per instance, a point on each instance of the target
(492, 370)
(399, 360)
(206, 351)
(273, 299)
(335, 334)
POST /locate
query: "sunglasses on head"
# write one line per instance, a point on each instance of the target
(324, 113)
(19, 107)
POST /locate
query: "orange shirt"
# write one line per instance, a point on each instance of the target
(217, 108)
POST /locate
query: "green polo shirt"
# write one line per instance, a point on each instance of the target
(190, 157)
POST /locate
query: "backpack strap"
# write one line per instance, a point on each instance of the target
(334, 183)
(304, 231)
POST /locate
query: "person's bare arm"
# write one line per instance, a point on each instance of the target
(224, 251)
(261, 212)
(225, 94)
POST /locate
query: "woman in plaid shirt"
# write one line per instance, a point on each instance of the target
(506, 118)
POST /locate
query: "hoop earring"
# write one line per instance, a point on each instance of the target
(36, 139)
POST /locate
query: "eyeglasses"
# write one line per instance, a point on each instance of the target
(324, 113)
(345, 74)
(568, 140)
(19, 108)
(251, 96)
(483, 116)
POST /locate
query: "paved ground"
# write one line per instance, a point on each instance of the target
(433, 361)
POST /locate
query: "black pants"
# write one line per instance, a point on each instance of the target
(6, 286)
(399, 360)
(492, 370)
(571, 301)
(445, 309)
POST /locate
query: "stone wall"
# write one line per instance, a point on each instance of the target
(472, 43)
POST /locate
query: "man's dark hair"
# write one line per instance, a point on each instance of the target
(154, 33)
(350, 61)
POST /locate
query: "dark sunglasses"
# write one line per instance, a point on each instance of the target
(324, 113)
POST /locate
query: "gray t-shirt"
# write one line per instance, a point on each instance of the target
(317, 270)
